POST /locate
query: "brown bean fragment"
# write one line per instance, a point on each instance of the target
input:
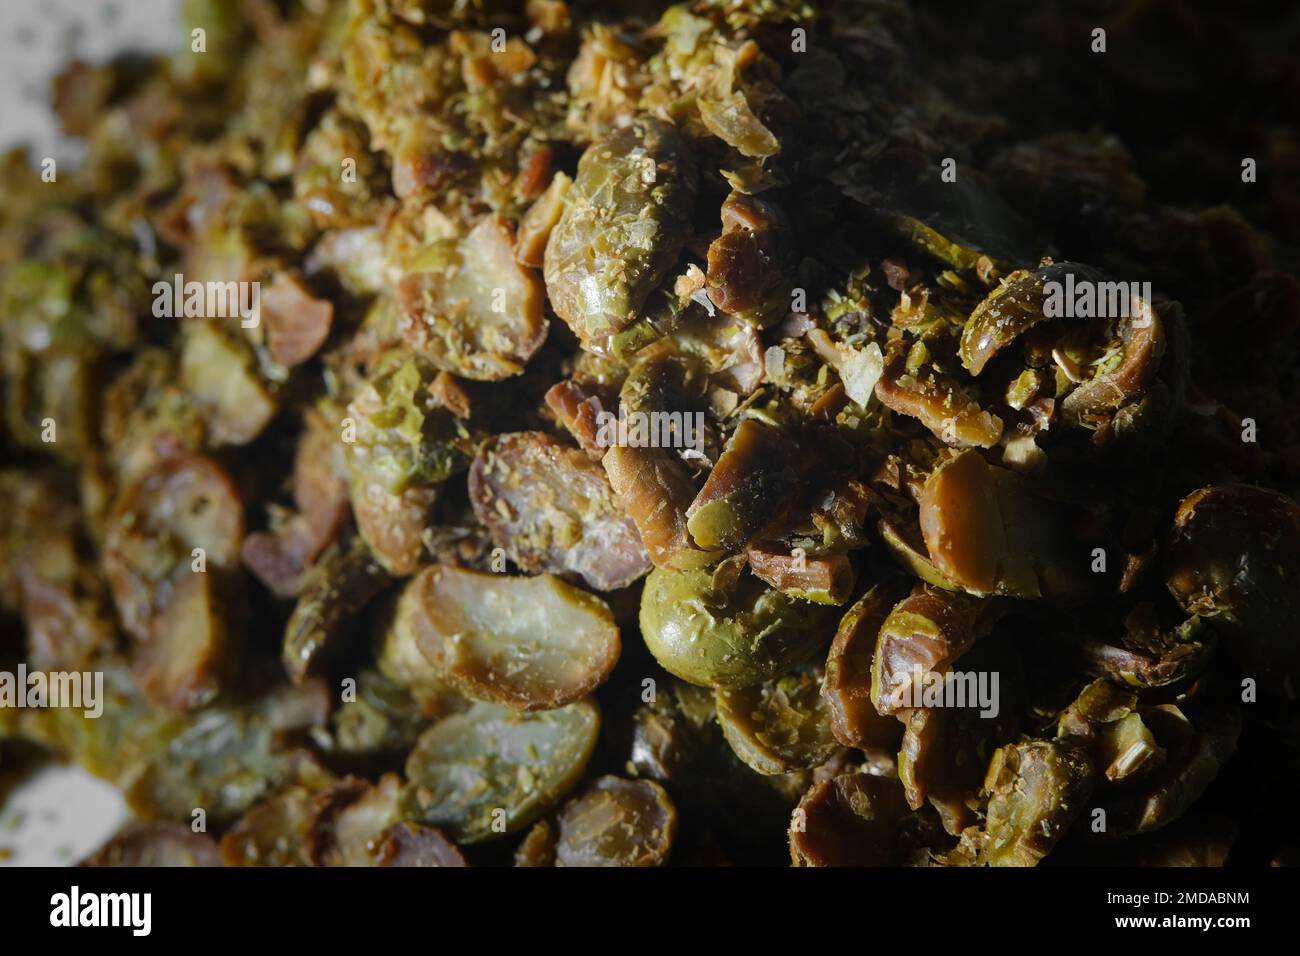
(552, 17)
(218, 370)
(530, 643)
(963, 529)
(731, 350)
(988, 532)
(552, 509)
(537, 848)
(190, 649)
(334, 592)
(272, 833)
(403, 446)
(1022, 302)
(824, 578)
(339, 203)
(44, 577)
(391, 524)
(322, 844)
(1036, 790)
(940, 761)
(923, 635)
(451, 394)
(833, 401)
(855, 722)
(414, 844)
(400, 659)
(422, 165)
(578, 408)
(1143, 341)
(746, 264)
(174, 537)
(906, 545)
(736, 261)
(755, 476)
(481, 315)
(1148, 655)
(1013, 308)
(484, 65)
(193, 500)
(778, 726)
(841, 512)
(67, 621)
(655, 491)
(535, 169)
(157, 843)
(297, 323)
(320, 491)
(617, 822)
(541, 217)
(279, 558)
(936, 400)
(854, 819)
(348, 816)
(897, 275)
